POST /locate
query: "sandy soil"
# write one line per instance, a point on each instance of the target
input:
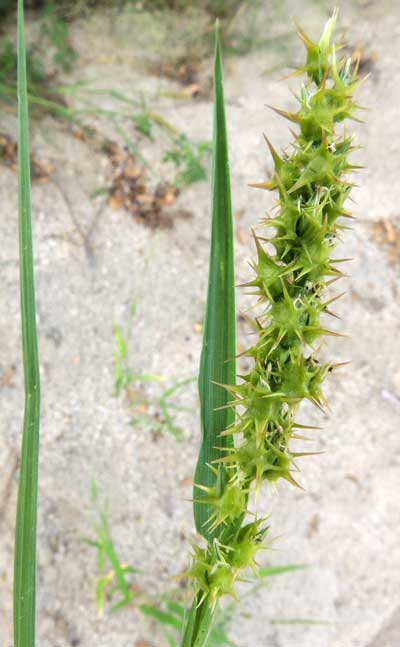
(344, 524)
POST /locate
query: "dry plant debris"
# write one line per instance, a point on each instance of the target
(385, 232)
(195, 84)
(127, 189)
(40, 171)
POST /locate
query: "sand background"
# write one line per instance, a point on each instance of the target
(344, 524)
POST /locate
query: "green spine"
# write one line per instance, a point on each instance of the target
(290, 285)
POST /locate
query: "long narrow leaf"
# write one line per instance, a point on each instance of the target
(217, 365)
(25, 538)
(162, 617)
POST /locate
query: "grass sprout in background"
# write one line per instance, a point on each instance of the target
(56, 32)
(42, 92)
(35, 74)
(143, 123)
(113, 581)
(36, 78)
(75, 103)
(189, 158)
(124, 376)
(156, 411)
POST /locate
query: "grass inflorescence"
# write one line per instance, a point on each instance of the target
(290, 284)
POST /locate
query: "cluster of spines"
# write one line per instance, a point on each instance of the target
(218, 567)
(290, 284)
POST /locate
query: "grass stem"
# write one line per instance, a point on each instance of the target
(25, 536)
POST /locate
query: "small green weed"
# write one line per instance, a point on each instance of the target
(147, 118)
(189, 158)
(155, 412)
(143, 123)
(113, 580)
(56, 31)
(43, 96)
(124, 376)
(35, 74)
(143, 120)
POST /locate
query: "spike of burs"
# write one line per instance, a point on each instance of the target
(291, 284)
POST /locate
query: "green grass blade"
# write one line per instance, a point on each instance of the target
(269, 571)
(25, 537)
(219, 340)
(176, 608)
(162, 617)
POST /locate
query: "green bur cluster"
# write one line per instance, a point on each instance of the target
(290, 284)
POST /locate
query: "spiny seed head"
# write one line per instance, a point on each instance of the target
(290, 282)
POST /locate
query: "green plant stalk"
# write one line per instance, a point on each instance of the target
(217, 364)
(25, 536)
(199, 623)
(290, 284)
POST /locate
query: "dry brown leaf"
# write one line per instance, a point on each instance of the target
(128, 190)
(40, 171)
(144, 198)
(116, 200)
(132, 170)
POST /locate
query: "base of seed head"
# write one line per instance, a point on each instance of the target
(216, 568)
